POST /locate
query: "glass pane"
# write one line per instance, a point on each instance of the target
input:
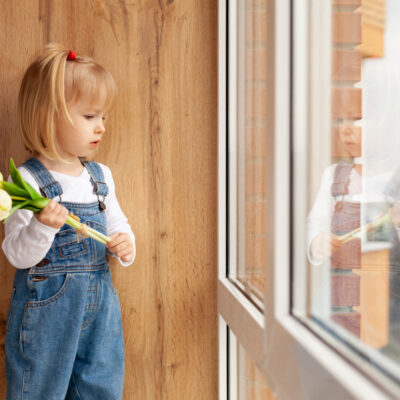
(251, 146)
(353, 186)
(247, 381)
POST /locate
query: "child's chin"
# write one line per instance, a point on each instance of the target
(89, 154)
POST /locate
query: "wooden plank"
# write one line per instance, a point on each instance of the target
(374, 279)
(373, 41)
(163, 155)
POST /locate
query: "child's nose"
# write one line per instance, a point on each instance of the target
(100, 127)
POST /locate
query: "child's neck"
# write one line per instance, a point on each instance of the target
(73, 169)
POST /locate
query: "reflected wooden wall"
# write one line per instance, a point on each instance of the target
(161, 144)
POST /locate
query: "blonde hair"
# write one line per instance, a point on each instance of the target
(48, 85)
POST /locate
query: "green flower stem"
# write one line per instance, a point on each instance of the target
(100, 235)
(374, 224)
(19, 198)
(91, 232)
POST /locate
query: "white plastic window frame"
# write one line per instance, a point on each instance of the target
(296, 362)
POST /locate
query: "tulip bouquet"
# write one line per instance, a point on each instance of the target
(383, 219)
(21, 195)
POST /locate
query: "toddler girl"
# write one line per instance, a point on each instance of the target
(64, 336)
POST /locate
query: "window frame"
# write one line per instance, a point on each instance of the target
(294, 359)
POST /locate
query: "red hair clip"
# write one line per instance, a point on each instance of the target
(71, 55)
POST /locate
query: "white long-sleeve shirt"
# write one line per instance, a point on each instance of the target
(27, 240)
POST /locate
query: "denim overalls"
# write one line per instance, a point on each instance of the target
(345, 218)
(64, 335)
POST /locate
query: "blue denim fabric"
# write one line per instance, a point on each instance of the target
(64, 335)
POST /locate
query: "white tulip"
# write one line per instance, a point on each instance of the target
(5, 204)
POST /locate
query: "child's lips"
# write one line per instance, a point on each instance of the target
(95, 143)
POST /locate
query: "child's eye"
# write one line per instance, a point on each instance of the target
(89, 116)
(104, 117)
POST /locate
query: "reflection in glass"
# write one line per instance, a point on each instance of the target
(249, 383)
(353, 225)
(251, 148)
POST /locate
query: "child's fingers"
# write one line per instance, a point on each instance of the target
(63, 212)
(125, 252)
(127, 257)
(121, 245)
(118, 248)
(53, 215)
(50, 208)
(117, 238)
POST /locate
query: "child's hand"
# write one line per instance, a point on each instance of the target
(324, 245)
(121, 245)
(53, 215)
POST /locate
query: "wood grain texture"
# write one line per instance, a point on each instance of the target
(161, 145)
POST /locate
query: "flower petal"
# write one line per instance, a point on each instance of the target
(3, 215)
(5, 201)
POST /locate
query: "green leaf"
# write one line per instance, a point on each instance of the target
(19, 180)
(40, 203)
(13, 190)
(32, 208)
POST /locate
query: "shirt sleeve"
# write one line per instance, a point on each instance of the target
(26, 239)
(115, 218)
(319, 218)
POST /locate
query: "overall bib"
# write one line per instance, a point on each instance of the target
(345, 218)
(64, 335)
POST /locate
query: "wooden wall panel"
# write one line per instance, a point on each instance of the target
(161, 144)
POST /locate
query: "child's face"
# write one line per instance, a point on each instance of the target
(82, 139)
(351, 139)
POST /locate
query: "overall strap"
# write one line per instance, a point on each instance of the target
(100, 187)
(96, 176)
(341, 179)
(49, 187)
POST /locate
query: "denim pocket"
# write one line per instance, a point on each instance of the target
(72, 249)
(68, 245)
(47, 291)
(10, 307)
